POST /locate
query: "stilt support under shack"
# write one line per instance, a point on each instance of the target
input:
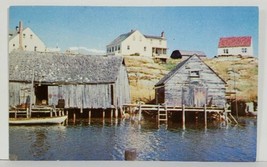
(116, 112)
(74, 117)
(205, 115)
(111, 113)
(89, 117)
(104, 114)
(183, 116)
(140, 112)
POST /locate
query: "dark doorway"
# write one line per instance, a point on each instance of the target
(41, 93)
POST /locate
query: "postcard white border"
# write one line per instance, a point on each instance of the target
(262, 117)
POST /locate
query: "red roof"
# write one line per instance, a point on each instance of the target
(235, 41)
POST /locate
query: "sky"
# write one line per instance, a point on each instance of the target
(92, 28)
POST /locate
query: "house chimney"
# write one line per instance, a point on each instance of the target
(162, 34)
(20, 35)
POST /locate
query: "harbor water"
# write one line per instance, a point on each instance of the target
(108, 140)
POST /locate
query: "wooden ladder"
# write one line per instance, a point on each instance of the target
(162, 114)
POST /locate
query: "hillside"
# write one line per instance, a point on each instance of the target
(238, 72)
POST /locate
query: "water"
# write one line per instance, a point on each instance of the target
(108, 140)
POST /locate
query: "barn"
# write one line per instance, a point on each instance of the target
(82, 81)
(191, 83)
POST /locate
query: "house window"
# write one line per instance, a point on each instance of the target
(112, 49)
(194, 74)
(119, 47)
(244, 50)
(145, 48)
(225, 51)
(14, 45)
(35, 48)
(116, 48)
(31, 36)
(128, 47)
(24, 35)
(25, 46)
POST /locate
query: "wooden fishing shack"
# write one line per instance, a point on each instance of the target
(191, 83)
(80, 82)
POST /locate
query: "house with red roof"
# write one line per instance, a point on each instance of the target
(241, 45)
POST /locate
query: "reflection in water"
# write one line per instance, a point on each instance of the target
(107, 140)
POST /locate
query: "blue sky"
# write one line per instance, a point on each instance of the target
(186, 28)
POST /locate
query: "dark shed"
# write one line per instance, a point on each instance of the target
(191, 83)
(83, 81)
(178, 54)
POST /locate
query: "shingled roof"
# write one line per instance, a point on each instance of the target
(242, 41)
(63, 68)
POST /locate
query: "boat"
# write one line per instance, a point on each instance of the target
(34, 121)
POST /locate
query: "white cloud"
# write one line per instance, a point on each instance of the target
(88, 51)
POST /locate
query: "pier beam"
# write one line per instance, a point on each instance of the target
(183, 116)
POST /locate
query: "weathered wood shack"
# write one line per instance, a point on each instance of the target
(191, 83)
(83, 81)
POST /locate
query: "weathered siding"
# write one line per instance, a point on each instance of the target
(81, 96)
(184, 88)
(18, 93)
(122, 88)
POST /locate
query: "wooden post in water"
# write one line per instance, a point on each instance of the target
(205, 115)
(89, 117)
(130, 154)
(67, 120)
(183, 116)
(111, 113)
(140, 112)
(116, 112)
(104, 114)
(74, 117)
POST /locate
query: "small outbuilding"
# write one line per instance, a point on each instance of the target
(184, 54)
(191, 83)
(83, 81)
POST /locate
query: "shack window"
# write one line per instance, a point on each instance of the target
(128, 47)
(194, 74)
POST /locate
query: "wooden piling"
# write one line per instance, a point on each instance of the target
(89, 117)
(205, 115)
(116, 112)
(111, 113)
(104, 114)
(130, 154)
(183, 116)
(140, 112)
(74, 117)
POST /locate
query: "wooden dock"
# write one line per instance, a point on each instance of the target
(162, 112)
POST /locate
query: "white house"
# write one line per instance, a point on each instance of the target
(235, 46)
(134, 42)
(25, 39)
